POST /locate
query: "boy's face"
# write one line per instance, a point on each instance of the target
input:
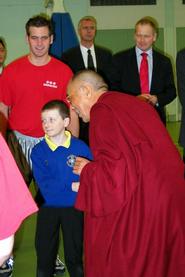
(53, 124)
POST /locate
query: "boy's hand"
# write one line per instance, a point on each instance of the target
(79, 165)
(75, 186)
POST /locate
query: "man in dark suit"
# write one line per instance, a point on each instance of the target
(77, 58)
(180, 66)
(125, 75)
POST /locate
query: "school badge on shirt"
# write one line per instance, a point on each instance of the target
(71, 160)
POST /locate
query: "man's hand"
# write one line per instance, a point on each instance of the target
(144, 97)
(151, 99)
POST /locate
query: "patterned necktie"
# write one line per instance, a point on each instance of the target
(90, 64)
(144, 76)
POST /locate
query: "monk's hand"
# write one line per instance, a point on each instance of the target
(79, 165)
(75, 186)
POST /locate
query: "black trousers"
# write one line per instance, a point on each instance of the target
(49, 222)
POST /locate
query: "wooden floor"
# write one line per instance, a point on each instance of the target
(25, 259)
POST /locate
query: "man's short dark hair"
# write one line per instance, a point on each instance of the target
(58, 105)
(2, 41)
(41, 20)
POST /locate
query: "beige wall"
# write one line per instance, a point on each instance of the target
(118, 17)
(13, 16)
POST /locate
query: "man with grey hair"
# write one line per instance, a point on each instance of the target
(133, 192)
(88, 55)
(77, 57)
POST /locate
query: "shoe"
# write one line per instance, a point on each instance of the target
(6, 270)
(59, 267)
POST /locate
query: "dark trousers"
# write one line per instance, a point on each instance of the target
(49, 222)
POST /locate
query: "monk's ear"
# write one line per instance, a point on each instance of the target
(85, 90)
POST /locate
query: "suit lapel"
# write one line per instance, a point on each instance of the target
(134, 74)
(79, 58)
(155, 69)
(98, 57)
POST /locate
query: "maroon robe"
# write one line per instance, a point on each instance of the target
(133, 193)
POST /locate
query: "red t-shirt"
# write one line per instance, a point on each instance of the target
(25, 88)
(16, 202)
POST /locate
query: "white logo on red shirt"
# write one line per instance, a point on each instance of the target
(50, 84)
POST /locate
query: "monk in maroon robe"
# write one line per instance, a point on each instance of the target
(133, 193)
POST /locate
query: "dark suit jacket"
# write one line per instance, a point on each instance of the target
(180, 65)
(125, 77)
(73, 58)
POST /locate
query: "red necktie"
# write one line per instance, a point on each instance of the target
(144, 76)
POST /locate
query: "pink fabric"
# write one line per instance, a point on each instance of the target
(16, 202)
(133, 193)
(144, 74)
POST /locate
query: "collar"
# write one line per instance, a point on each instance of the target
(53, 146)
(139, 52)
(84, 49)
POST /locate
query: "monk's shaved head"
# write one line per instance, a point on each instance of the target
(90, 77)
(83, 91)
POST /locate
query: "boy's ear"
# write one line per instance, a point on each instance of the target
(66, 122)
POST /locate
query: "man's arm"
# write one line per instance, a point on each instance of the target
(6, 246)
(168, 90)
(3, 118)
(180, 66)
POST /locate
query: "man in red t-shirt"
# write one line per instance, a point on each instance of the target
(26, 85)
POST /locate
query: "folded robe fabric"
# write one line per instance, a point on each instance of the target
(133, 193)
(16, 202)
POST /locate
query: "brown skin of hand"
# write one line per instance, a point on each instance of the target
(151, 99)
(79, 165)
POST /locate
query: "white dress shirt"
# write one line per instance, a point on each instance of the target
(150, 62)
(85, 55)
